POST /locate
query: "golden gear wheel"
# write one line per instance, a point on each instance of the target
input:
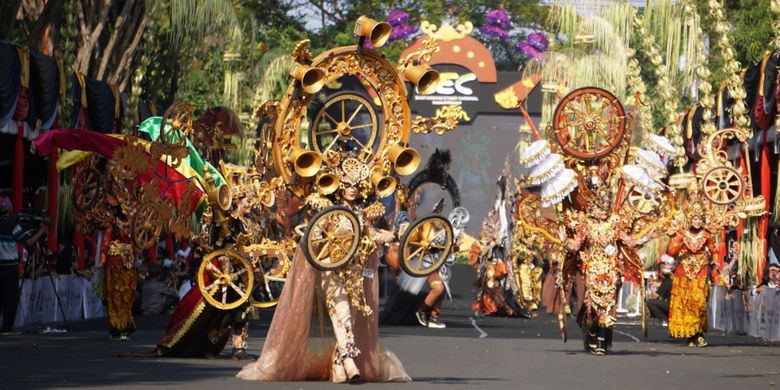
(425, 246)
(332, 237)
(377, 73)
(225, 279)
(723, 185)
(272, 264)
(146, 225)
(589, 123)
(88, 188)
(346, 117)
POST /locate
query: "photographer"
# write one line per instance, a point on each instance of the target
(11, 234)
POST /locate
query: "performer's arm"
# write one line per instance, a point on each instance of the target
(675, 245)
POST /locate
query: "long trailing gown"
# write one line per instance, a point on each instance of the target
(301, 341)
(688, 304)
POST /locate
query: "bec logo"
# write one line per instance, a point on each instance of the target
(450, 82)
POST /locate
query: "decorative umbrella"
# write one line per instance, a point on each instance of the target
(558, 187)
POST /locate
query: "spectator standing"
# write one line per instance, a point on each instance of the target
(11, 234)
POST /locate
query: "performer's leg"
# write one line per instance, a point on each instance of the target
(241, 333)
(340, 313)
(536, 278)
(432, 302)
(428, 310)
(601, 341)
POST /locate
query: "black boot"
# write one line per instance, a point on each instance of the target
(589, 336)
(601, 342)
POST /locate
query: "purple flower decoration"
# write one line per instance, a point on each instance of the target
(534, 45)
(402, 31)
(397, 17)
(498, 17)
(494, 31)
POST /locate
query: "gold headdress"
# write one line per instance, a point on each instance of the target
(601, 199)
(352, 171)
(697, 209)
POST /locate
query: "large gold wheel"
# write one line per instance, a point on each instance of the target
(589, 123)
(344, 118)
(425, 246)
(332, 237)
(146, 226)
(722, 185)
(272, 265)
(88, 188)
(383, 78)
(225, 279)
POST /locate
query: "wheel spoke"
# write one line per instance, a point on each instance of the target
(335, 122)
(361, 126)
(354, 114)
(343, 114)
(237, 289)
(323, 250)
(419, 262)
(213, 268)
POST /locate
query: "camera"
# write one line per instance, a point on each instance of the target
(30, 219)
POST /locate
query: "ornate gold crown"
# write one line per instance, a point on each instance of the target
(352, 171)
(601, 199)
(697, 209)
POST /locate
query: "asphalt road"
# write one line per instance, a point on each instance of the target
(496, 353)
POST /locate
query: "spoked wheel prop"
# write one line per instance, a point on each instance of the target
(272, 265)
(225, 279)
(642, 202)
(88, 190)
(722, 185)
(332, 237)
(146, 225)
(346, 117)
(589, 123)
(425, 246)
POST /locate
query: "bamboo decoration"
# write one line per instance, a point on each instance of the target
(736, 89)
(69, 36)
(669, 96)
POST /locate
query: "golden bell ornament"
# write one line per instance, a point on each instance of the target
(305, 162)
(405, 160)
(425, 78)
(327, 183)
(221, 197)
(376, 32)
(384, 185)
(312, 79)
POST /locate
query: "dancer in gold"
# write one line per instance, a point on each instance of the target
(695, 251)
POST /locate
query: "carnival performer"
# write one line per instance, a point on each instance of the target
(527, 270)
(297, 346)
(696, 252)
(597, 235)
(197, 329)
(118, 259)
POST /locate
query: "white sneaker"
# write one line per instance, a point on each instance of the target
(435, 323)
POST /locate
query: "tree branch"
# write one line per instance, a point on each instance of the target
(118, 30)
(127, 56)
